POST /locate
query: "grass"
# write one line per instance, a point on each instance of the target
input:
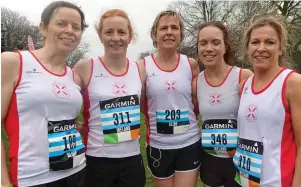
(149, 182)
(4, 139)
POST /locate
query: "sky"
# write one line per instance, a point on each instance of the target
(142, 13)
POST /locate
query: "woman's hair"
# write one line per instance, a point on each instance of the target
(54, 6)
(280, 29)
(228, 54)
(115, 13)
(156, 22)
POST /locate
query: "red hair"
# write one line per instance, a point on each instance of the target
(115, 13)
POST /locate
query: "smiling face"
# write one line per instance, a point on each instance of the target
(63, 33)
(264, 47)
(168, 33)
(115, 35)
(211, 46)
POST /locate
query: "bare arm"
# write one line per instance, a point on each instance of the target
(77, 79)
(195, 67)
(293, 96)
(82, 71)
(143, 79)
(195, 72)
(10, 66)
(245, 73)
(194, 96)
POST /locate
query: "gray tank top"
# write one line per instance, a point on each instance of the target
(218, 107)
(171, 122)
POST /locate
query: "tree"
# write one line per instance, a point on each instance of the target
(144, 54)
(291, 11)
(78, 54)
(237, 16)
(17, 28)
(194, 13)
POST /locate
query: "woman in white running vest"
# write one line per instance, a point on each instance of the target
(173, 134)
(215, 92)
(40, 102)
(111, 87)
(269, 123)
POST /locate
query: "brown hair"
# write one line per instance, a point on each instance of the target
(156, 22)
(228, 54)
(54, 6)
(278, 26)
(115, 13)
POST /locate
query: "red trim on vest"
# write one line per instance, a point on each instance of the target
(86, 114)
(267, 86)
(288, 144)
(147, 121)
(190, 66)
(239, 76)
(242, 87)
(11, 125)
(284, 101)
(116, 75)
(20, 71)
(167, 70)
(86, 111)
(218, 84)
(59, 75)
(146, 112)
(196, 110)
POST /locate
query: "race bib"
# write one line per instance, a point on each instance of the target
(66, 149)
(219, 137)
(172, 121)
(248, 161)
(120, 119)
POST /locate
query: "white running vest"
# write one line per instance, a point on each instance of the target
(218, 106)
(112, 111)
(44, 143)
(266, 149)
(171, 122)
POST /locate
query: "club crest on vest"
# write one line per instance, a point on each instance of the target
(251, 113)
(216, 99)
(60, 90)
(170, 86)
(119, 89)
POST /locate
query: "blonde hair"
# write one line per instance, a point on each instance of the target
(156, 22)
(278, 25)
(115, 13)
